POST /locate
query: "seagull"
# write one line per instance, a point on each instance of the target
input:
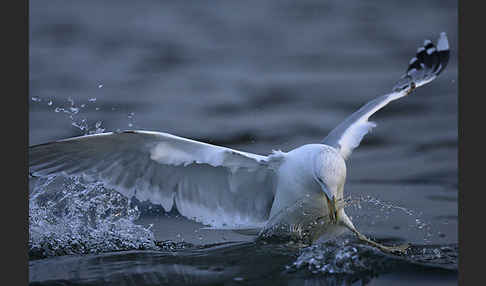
(299, 192)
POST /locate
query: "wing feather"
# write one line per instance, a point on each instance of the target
(214, 185)
(428, 63)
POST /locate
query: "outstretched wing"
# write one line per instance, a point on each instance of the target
(428, 63)
(214, 185)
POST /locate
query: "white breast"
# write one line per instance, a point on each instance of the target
(296, 174)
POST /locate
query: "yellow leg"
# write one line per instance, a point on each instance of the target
(399, 249)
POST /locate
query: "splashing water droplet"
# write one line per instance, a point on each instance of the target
(36, 99)
(131, 119)
(81, 125)
(93, 99)
(69, 216)
(49, 102)
(74, 110)
(100, 85)
(387, 208)
(98, 128)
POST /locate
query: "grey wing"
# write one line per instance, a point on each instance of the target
(214, 185)
(428, 63)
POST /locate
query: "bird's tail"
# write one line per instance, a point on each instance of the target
(427, 64)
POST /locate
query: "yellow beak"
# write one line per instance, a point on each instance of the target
(332, 210)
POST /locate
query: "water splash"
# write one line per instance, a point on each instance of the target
(346, 256)
(385, 209)
(444, 255)
(73, 111)
(69, 216)
(131, 119)
(339, 257)
(98, 127)
(384, 206)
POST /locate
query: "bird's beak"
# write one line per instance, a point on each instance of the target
(331, 203)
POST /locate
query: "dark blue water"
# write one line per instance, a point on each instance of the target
(253, 76)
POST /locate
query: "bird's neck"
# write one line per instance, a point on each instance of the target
(295, 181)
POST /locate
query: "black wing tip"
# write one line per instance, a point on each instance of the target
(429, 61)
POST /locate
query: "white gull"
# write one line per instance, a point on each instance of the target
(300, 191)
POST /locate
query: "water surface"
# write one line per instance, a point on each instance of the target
(255, 77)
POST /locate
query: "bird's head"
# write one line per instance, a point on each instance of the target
(330, 174)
